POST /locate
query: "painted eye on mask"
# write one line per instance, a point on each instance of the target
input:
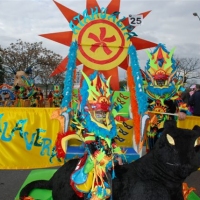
(170, 139)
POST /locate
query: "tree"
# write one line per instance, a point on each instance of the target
(48, 63)
(2, 71)
(123, 84)
(188, 68)
(21, 55)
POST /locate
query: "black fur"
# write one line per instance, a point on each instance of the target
(156, 176)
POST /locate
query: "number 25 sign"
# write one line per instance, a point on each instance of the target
(135, 20)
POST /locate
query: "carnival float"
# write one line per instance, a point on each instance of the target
(96, 123)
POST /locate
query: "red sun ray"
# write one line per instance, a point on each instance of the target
(65, 38)
(91, 4)
(125, 63)
(114, 82)
(144, 14)
(62, 66)
(61, 37)
(141, 43)
(113, 6)
(68, 13)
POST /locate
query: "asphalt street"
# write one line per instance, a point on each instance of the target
(11, 181)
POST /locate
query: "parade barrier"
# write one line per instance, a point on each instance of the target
(28, 135)
(24, 103)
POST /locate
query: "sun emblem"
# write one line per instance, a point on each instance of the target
(103, 39)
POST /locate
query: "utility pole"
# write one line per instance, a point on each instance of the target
(196, 15)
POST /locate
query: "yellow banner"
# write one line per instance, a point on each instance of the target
(28, 135)
(27, 138)
(189, 122)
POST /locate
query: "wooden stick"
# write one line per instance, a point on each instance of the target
(162, 113)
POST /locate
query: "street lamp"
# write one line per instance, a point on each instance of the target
(196, 15)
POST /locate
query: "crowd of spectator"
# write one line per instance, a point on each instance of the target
(31, 98)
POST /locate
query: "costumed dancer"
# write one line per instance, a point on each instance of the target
(57, 96)
(32, 93)
(32, 96)
(24, 88)
(50, 98)
(95, 126)
(163, 88)
(19, 92)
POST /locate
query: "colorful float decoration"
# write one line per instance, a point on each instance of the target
(102, 42)
(103, 39)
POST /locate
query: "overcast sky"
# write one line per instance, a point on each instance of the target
(170, 22)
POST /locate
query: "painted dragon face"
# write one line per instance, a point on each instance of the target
(98, 101)
(161, 68)
(161, 74)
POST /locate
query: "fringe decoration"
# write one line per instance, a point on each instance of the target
(171, 91)
(141, 96)
(68, 83)
(134, 105)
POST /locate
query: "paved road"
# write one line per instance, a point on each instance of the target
(11, 181)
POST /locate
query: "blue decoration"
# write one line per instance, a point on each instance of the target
(68, 83)
(141, 96)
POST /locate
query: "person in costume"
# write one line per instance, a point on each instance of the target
(194, 101)
(24, 89)
(50, 98)
(19, 92)
(164, 89)
(94, 125)
(57, 96)
(32, 96)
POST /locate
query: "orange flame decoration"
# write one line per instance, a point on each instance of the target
(134, 105)
(186, 190)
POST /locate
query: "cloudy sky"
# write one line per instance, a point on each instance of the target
(170, 22)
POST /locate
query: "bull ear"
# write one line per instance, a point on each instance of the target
(196, 128)
(28, 70)
(14, 72)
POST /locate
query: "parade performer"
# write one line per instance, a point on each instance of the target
(95, 126)
(24, 89)
(19, 92)
(32, 96)
(163, 88)
(57, 96)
